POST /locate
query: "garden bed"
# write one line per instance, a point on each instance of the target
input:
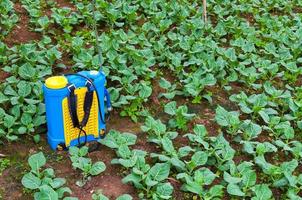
(201, 110)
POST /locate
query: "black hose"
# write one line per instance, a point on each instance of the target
(100, 112)
(79, 137)
(97, 94)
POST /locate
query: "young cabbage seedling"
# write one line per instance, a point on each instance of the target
(157, 130)
(171, 89)
(120, 142)
(240, 179)
(230, 120)
(180, 115)
(151, 180)
(197, 184)
(171, 155)
(43, 183)
(88, 169)
(217, 148)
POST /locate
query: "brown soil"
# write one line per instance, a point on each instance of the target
(298, 9)
(65, 3)
(242, 157)
(60, 4)
(298, 82)
(67, 61)
(3, 75)
(156, 90)
(206, 117)
(123, 124)
(21, 33)
(277, 158)
(177, 193)
(221, 97)
(142, 144)
(14, 188)
(109, 182)
(249, 17)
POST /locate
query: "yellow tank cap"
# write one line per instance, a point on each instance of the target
(56, 82)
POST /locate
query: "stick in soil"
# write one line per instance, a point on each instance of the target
(204, 4)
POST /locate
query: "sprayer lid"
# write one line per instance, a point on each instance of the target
(56, 82)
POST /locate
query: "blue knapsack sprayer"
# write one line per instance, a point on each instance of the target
(75, 105)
